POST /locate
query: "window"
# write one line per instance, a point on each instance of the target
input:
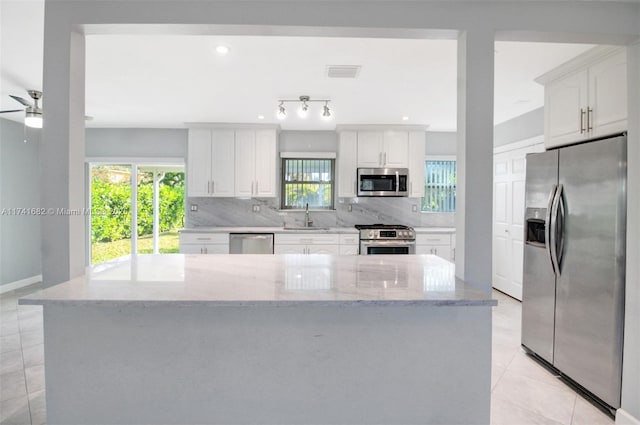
(440, 186)
(307, 181)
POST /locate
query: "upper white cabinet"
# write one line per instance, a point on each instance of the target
(246, 166)
(230, 162)
(586, 97)
(374, 146)
(416, 163)
(256, 153)
(199, 163)
(388, 149)
(347, 164)
(210, 162)
(222, 162)
(266, 163)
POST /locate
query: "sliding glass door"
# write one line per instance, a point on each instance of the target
(135, 208)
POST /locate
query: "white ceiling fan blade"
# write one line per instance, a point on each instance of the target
(11, 110)
(21, 100)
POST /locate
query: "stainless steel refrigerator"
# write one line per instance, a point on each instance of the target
(574, 262)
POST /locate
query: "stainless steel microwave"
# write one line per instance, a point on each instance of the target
(383, 181)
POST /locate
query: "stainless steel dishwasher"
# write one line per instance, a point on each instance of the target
(251, 243)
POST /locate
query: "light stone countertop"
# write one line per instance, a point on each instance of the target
(274, 280)
(420, 230)
(316, 230)
(345, 230)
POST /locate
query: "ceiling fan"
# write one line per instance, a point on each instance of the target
(33, 113)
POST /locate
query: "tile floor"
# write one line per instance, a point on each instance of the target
(523, 392)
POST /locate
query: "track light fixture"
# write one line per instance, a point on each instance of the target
(303, 112)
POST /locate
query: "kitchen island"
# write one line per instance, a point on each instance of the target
(267, 339)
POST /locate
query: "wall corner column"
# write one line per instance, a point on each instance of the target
(475, 157)
(62, 156)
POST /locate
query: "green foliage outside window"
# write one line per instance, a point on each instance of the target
(307, 181)
(111, 206)
(440, 186)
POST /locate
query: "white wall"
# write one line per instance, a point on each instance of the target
(522, 127)
(136, 142)
(19, 188)
(602, 22)
(440, 143)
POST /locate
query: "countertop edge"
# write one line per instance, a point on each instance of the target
(258, 303)
(339, 230)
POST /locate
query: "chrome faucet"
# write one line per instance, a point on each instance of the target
(307, 221)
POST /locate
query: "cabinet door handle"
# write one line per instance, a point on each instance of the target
(256, 187)
(582, 114)
(454, 254)
(206, 250)
(385, 159)
(252, 183)
(410, 188)
(213, 187)
(589, 119)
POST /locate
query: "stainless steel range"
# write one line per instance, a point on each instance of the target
(378, 239)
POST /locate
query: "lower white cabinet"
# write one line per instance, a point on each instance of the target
(306, 249)
(439, 244)
(204, 243)
(350, 244)
(303, 243)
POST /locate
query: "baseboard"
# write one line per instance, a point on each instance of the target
(20, 284)
(625, 418)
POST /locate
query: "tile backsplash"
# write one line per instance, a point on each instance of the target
(263, 212)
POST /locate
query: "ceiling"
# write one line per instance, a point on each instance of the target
(165, 81)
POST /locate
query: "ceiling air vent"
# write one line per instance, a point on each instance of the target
(343, 71)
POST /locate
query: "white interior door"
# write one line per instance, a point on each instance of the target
(509, 172)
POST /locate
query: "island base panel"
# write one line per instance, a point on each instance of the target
(285, 365)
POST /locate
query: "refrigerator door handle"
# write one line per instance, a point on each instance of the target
(553, 242)
(560, 228)
(547, 227)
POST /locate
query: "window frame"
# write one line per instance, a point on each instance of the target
(453, 158)
(307, 157)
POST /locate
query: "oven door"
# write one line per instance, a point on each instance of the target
(377, 247)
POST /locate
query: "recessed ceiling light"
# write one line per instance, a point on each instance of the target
(405, 118)
(260, 117)
(222, 50)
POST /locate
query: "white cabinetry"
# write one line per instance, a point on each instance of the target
(347, 164)
(416, 164)
(328, 243)
(204, 243)
(222, 162)
(199, 163)
(256, 165)
(303, 243)
(586, 97)
(350, 244)
(229, 162)
(436, 244)
(373, 146)
(388, 148)
(210, 163)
